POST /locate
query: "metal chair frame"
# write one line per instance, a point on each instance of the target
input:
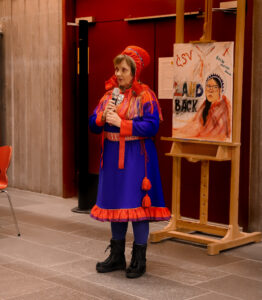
(12, 211)
(6, 152)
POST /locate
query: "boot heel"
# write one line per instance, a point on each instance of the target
(138, 262)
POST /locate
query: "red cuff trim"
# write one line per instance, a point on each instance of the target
(99, 121)
(126, 127)
(131, 214)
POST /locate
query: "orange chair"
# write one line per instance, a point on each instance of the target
(5, 156)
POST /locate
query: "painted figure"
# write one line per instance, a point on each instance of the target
(212, 120)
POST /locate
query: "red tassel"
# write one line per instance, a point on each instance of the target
(146, 184)
(146, 201)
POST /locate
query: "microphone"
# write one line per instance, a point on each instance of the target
(115, 94)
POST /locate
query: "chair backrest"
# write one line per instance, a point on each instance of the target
(5, 157)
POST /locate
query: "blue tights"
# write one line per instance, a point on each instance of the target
(140, 230)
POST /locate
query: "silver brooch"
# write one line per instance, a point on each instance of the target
(120, 98)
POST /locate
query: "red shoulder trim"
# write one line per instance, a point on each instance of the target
(111, 83)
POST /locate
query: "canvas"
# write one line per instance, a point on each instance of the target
(203, 91)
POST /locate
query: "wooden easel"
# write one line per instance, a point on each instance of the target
(186, 229)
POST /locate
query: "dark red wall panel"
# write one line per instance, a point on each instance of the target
(104, 10)
(110, 34)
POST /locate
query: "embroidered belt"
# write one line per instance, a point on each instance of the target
(116, 137)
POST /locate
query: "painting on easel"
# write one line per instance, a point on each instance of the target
(203, 91)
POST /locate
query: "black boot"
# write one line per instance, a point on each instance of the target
(116, 260)
(138, 262)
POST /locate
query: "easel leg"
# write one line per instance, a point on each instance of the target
(204, 192)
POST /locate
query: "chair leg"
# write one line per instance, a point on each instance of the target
(13, 212)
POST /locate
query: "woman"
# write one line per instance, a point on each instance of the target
(129, 181)
(213, 119)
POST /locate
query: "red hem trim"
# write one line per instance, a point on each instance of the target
(131, 214)
(99, 121)
(126, 127)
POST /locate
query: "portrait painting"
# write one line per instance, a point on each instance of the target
(203, 91)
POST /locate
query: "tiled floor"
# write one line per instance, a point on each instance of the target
(55, 258)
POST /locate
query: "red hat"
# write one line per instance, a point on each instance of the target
(140, 57)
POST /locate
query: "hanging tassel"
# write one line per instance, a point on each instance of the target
(146, 184)
(146, 201)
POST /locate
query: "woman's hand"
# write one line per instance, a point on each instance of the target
(113, 118)
(110, 106)
(110, 114)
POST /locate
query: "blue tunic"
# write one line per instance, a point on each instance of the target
(120, 191)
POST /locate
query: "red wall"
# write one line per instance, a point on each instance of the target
(69, 83)
(105, 11)
(111, 34)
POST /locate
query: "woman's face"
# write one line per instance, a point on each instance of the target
(212, 90)
(123, 74)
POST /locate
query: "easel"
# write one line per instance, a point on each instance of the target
(186, 229)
